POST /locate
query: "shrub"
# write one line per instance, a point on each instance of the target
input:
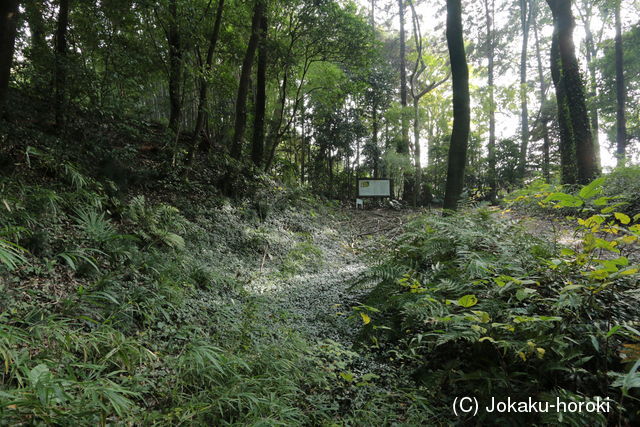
(472, 305)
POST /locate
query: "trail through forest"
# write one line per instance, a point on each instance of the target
(319, 302)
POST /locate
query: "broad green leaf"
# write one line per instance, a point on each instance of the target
(468, 301)
(594, 188)
(565, 200)
(622, 218)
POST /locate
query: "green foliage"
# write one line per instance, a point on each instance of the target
(472, 305)
(303, 257)
(624, 185)
(106, 323)
(10, 254)
(156, 224)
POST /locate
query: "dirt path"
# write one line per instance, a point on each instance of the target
(318, 299)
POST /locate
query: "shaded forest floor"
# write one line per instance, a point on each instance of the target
(146, 297)
(319, 298)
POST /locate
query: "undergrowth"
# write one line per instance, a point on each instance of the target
(473, 305)
(127, 309)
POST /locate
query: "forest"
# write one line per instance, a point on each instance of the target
(185, 238)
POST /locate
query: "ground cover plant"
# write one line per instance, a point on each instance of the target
(319, 212)
(130, 310)
(475, 305)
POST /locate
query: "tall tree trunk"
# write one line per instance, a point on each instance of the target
(372, 15)
(491, 147)
(403, 147)
(374, 138)
(33, 14)
(8, 18)
(575, 91)
(61, 63)
(417, 186)
(175, 68)
(303, 147)
(568, 167)
(204, 85)
(546, 173)
(461, 108)
(591, 53)
(38, 55)
(417, 92)
(356, 167)
(525, 21)
(621, 92)
(257, 146)
(243, 84)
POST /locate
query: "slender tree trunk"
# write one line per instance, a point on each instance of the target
(621, 92)
(543, 117)
(204, 85)
(303, 147)
(257, 146)
(575, 91)
(243, 85)
(417, 190)
(276, 123)
(417, 93)
(374, 138)
(8, 18)
(491, 147)
(461, 108)
(372, 16)
(403, 146)
(525, 21)
(591, 53)
(404, 143)
(61, 63)
(356, 167)
(33, 13)
(175, 68)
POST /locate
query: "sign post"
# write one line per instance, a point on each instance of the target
(373, 188)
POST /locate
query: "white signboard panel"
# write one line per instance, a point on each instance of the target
(374, 188)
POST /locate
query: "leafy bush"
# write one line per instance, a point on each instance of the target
(472, 305)
(624, 183)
